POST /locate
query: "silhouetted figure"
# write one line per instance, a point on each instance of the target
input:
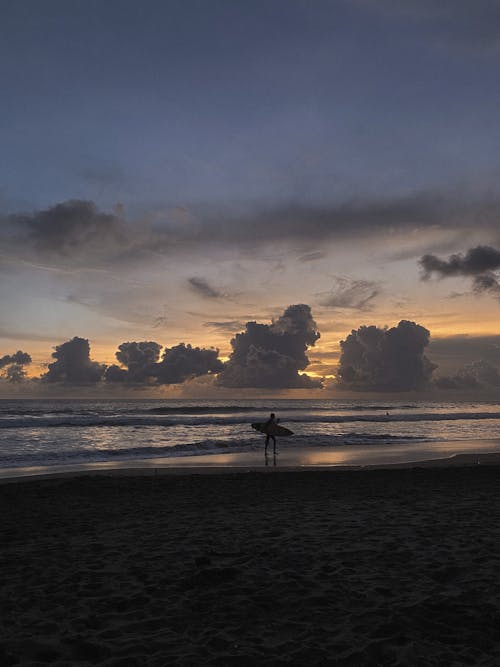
(272, 420)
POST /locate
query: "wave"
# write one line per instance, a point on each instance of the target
(82, 421)
(219, 409)
(34, 412)
(207, 409)
(92, 420)
(46, 411)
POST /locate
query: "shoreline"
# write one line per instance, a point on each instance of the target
(179, 466)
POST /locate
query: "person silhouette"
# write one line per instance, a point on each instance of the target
(269, 436)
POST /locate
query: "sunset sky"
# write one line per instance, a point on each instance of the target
(172, 170)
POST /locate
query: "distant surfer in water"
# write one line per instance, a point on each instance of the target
(272, 420)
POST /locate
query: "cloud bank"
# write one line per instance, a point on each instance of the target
(375, 359)
(274, 356)
(178, 364)
(264, 356)
(76, 231)
(271, 356)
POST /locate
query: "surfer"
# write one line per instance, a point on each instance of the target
(271, 428)
(270, 422)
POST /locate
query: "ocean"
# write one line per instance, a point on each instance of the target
(36, 433)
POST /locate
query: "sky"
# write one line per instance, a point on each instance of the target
(172, 170)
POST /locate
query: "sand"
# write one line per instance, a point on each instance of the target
(379, 567)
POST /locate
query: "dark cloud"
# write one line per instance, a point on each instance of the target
(140, 360)
(69, 228)
(355, 294)
(138, 355)
(73, 365)
(356, 218)
(478, 263)
(77, 230)
(179, 363)
(475, 261)
(202, 287)
(476, 375)
(375, 359)
(19, 357)
(182, 362)
(12, 366)
(487, 282)
(271, 355)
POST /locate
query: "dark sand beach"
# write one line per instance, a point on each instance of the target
(374, 567)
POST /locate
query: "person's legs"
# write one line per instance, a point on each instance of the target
(267, 442)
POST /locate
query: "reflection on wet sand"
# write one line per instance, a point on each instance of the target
(288, 457)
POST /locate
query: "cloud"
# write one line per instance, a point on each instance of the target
(357, 218)
(476, 375)
(70, 228)
(271, 355)
(229, 325)
(159, 322)
(202, 287)
(140, 362)
(75, 233)
(182, 362)
(73, 365)
(179, 363)
(375, 359)
(480, 263)
(12, 366)
(347, 293)
(475, 261)
(19, 357)
(487, 282)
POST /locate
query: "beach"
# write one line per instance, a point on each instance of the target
(300, 567)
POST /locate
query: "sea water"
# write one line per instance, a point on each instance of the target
(71, 432)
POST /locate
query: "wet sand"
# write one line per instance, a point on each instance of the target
(292, 458)
(374, 567)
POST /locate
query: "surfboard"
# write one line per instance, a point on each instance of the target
(272, 429)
